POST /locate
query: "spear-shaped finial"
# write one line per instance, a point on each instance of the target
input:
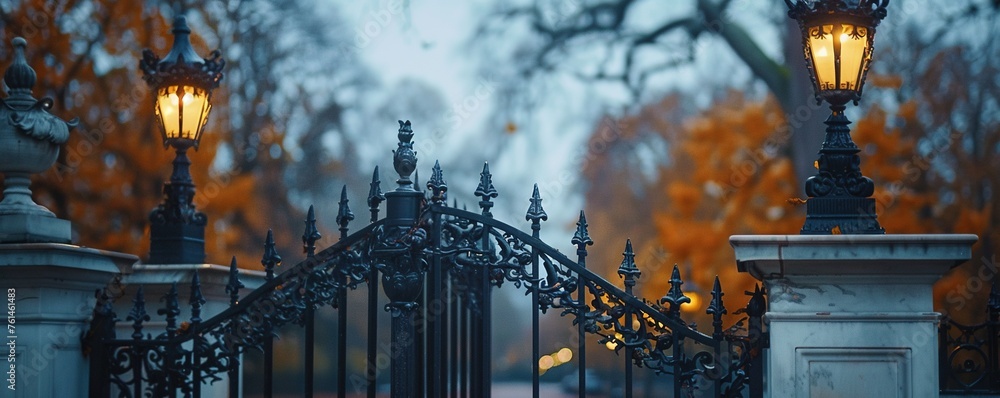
(717, 308)
(437, 185)
(581, 238)
(675, 296)
(196, 300)
(535, 213)
(485, 190)
(234, 285)
(172, 310)
(138, 314)
(311, 234)
(271, 258)
(344, 214)
(628, 270)
(375, 196)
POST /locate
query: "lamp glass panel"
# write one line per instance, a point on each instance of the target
(168, 111)
(853, 49)
(182, 111)
(195, 113)
(824, 57)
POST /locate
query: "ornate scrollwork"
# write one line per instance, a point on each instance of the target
(476, 253)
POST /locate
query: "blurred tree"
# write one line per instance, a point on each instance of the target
(632, 42)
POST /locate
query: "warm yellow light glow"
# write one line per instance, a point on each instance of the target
(564, 355)
(182, 112)
(839, 55)
(545, 362)
(824, 56)
(613, 344)
(695, 303)
(853, 46)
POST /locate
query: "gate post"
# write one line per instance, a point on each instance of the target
(401, 267)
(851, 315)
(50, 289)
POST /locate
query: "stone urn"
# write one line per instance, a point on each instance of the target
(30, 138)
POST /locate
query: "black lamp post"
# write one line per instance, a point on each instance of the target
(837, 38)
(183, 83)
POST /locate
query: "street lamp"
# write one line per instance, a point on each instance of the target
(837, 38)
(182, 83)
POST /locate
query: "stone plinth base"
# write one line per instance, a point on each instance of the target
(851, 315)
(31, 228)
(50, 291)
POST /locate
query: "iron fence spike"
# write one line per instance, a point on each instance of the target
(628, 270)
(535, 212)
(138, 313)
(375, 195)
(486, 190)
(581, 237)
(234, 285)
(171, 310)
(196, 300)
(344, 214)
(271, 258)
(717, 308)
(675, 296)
(311, 234)
(437, 185)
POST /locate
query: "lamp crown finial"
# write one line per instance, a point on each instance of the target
(873, 10)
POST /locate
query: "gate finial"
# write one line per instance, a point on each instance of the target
(628, 269)
(344, 214)
(138, 314)
(535, 212)
(582, 237)
(437, 185)
(234, 285)
(404, 158)
(675, 296)
(717, 308)
(196, 300)
(485, 190)
(311, 234)
(271, 258)
(375, 196)
(172, 309)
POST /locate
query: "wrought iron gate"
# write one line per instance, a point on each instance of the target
(438, 266)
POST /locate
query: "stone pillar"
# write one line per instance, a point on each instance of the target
(156, 280)
(50, 297)
(851, 315)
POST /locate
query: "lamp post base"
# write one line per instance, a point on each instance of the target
(845, 215)
(176, 244)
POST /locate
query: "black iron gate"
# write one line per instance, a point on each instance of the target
(438, 266)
